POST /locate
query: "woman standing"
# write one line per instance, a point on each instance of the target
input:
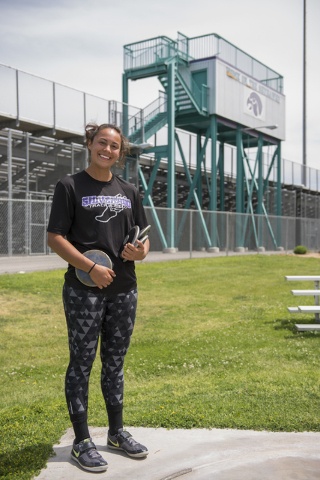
(95, 209)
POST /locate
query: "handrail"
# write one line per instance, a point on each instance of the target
(195, 48)
(203, 47)
(156, 50)
(51, 106)
(237, 48)
(198, 94)
(149, 40)
(136, 123)
(51, 81)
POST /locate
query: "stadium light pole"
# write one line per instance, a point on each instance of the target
(304, 96)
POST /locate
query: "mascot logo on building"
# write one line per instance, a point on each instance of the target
(254, 103)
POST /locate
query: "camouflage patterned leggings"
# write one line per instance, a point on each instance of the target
(89, 315)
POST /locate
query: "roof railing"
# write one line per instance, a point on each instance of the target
(211, 45)
(156, 50)
(152, 51)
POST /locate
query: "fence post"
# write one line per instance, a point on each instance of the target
(190, 234)
(85, 110)
(72, 159)
(142, 125)
(29, 225)
(9, 160)
(27, 243)
(17, 99)
(227, 235)
(45, 246)
(54, 105)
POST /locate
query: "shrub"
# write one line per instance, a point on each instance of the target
(300, 250)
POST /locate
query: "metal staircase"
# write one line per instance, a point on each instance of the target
(148, 121)
(188, 99)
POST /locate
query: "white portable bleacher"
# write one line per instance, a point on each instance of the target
(307, 309)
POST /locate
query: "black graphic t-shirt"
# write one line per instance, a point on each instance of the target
(96, 215)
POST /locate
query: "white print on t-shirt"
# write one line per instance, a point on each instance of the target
(115, 204)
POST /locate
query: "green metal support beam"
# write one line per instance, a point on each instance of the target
(279, 224)
(263, 207)
(239, 189)
(249, 195)
(260, 190)
(126, 170)
(171, 154)
(221, 174)
(160, 149)
(199, 192)
(222, 196)
(144, 72)
(125, 100)
(269, 171)
(147, 195)
(213, 191)
(191, 195)
(153, 210)
(279, 179)
(249, 207)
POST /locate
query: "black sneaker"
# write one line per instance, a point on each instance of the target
(123, 441)
(86, 454)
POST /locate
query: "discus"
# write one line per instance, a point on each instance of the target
(144, 232)
(98, 257)
(130, 238)
(142, 240)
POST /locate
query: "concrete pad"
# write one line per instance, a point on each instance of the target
(31, 263)
(198, 454)
(35, 263)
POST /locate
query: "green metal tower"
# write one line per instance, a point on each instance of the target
(224, 96)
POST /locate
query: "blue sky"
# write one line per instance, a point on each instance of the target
(80, 43)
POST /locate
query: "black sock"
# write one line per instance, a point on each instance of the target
(115, 418)
(80, 426)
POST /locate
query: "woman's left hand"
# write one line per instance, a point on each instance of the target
(132, 253)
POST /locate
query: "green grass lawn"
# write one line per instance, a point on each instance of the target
(213, 346)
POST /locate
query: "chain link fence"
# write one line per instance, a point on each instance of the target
(23, 230)
(23, 225)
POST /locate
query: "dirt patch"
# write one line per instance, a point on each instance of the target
(309, 254)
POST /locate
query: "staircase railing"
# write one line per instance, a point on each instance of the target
(153, 51)
(148, 52)
(156, 107)
(200, 96)
(135, 126)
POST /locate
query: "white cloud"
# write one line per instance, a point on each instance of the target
(80, 43)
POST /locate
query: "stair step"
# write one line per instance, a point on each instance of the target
(187, 110)
(314, 309)
(186, 107)
(306, 292)
(311, 278)
(184, 102)
(307, 328)
(183, 99)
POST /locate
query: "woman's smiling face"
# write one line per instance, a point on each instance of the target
(105, 149)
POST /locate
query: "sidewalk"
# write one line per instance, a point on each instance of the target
(34, 263)
(198, 454)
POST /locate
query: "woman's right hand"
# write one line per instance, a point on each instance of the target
(102, 276)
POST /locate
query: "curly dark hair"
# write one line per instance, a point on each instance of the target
(92, 129)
